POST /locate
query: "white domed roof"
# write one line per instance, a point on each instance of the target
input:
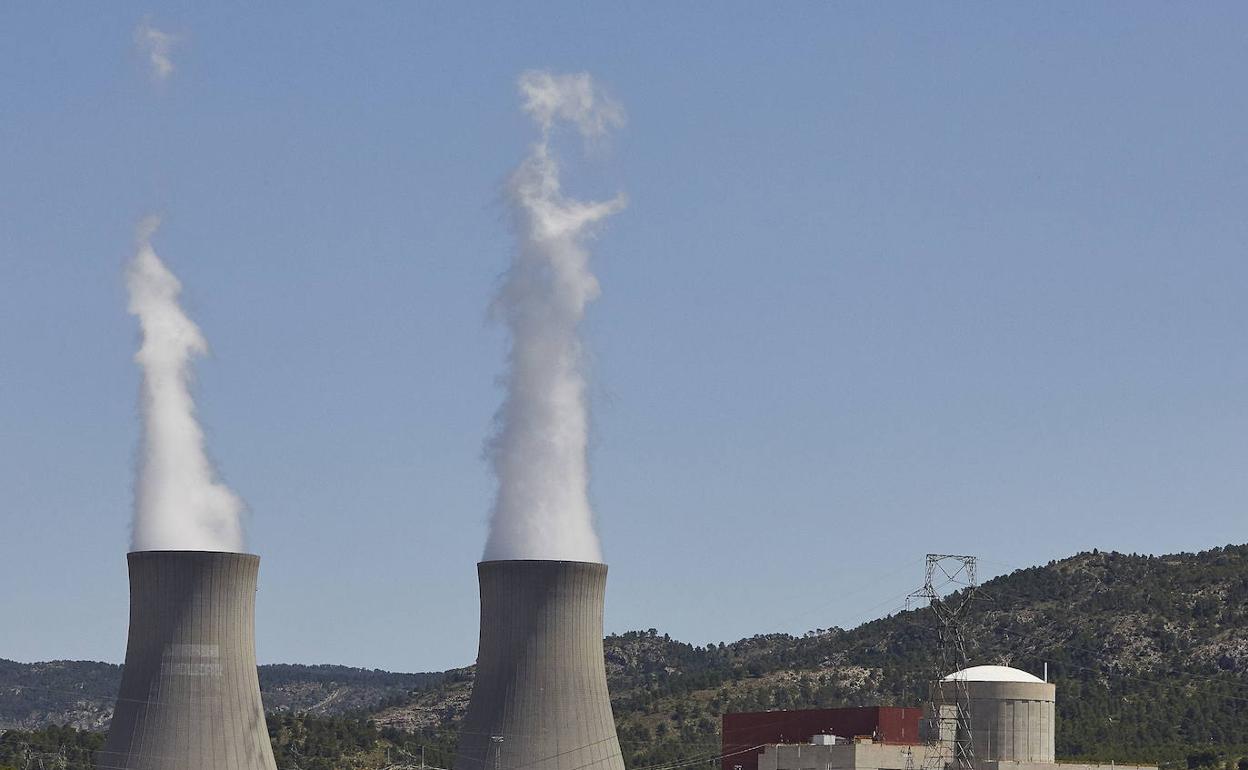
(992, 674)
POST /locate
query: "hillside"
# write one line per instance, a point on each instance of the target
(1149, 654)
(80, 694)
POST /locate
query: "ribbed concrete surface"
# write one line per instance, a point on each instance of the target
(541, 683)
(1010, 721)
(190, 696)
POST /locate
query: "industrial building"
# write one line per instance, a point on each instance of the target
(1013, 713)
(539, 700)
(1011, 726)
(190, 694)
(744, 733)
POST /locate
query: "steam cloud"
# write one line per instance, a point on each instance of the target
(179, 503)
(539, 450)
(158, 47)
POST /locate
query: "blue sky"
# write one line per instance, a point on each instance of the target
(892, 279)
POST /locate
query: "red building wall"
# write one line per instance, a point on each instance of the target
(742, 733)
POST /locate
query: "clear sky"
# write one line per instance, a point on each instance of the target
(893, 278)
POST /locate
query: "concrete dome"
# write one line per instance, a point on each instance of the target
(992, 674)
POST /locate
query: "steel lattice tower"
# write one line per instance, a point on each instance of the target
(949, 721)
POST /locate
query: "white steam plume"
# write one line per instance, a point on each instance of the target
(157, 45)
(179, 503)
(539, 449)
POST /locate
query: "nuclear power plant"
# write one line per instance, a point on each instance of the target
(1009, 723)
(190, 698)
(190, 695)
(540, 700)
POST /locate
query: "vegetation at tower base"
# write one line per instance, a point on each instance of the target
(65, 748)
(303, 742)
(337, 743)
(1149, 655)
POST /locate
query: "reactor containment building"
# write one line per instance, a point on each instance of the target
(540, 701)
(1012, 713)
(190, 694)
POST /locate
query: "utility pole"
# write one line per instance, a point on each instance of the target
(949, 716)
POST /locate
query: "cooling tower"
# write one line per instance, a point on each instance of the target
(190, 696)
(540, 698)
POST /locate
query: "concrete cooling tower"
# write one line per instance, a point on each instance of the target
(190, 696)
(540, 698)
(1012, 713)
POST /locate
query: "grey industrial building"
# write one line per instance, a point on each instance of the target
(1012, 726)
(190, 695)
(540, 701)
(1013, 713)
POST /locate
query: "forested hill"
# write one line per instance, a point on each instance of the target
(1149, 654)
(80, 693)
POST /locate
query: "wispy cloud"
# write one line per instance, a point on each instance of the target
(549, 98)
(157, 46)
